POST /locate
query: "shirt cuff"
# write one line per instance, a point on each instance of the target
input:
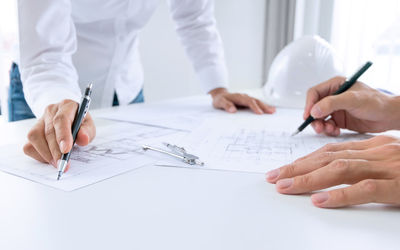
(213, 77)
(49, 96)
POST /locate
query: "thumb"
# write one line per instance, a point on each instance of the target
(331, 104)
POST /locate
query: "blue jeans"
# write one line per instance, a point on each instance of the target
(138, 99)
(18, 109)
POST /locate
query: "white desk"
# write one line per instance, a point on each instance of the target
(175, 208)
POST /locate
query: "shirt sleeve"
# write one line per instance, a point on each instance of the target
(47, 40)
(197, 29)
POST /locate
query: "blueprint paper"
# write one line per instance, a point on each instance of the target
(179, 115)
(116, 150)
(253, 144)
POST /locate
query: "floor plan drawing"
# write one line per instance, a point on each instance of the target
(225, 145)
(116, 149)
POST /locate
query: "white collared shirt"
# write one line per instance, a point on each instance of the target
(66, 44)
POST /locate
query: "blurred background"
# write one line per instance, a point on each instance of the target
(253, 33)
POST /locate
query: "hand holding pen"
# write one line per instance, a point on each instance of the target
(360, 108)
(51, 136)
(324, 93)
(76, 125)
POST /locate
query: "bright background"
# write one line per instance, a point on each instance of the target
(360, 30)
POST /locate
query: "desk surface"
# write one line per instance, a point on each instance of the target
(176, 208)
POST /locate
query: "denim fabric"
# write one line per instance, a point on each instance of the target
(138, 99)
(18, 109)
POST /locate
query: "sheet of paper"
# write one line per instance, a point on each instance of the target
(255, 144)
(116, 150)
(182, 114)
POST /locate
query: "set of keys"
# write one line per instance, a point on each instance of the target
(177, 152)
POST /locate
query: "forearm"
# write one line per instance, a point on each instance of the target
(197, 29)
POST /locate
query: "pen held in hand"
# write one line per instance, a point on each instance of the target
(344, 87)
(76, 125)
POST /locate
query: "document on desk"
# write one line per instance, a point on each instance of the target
(253, 143)
(116, 150)
(183, 116)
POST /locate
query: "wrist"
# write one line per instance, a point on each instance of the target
(217, 91)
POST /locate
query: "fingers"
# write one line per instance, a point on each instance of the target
(265, 107)
(328, 127)
(30, 150)
(366, 191)
(50, 136)
(224, 100)
(320, 91)
(37, 139)
(225, 104)
(87, 132)
(246, 101)
(62, 123)
(331, 129)
(366, 150)
(254, 104)
(370, 166)
(345, 101)
(336, 173)
(318, 126)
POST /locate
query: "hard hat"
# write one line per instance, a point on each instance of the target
(299, 66)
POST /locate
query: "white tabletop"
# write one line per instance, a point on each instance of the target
(177, 208)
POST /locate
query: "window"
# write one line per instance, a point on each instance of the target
(369, 30)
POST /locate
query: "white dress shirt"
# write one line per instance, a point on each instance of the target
(66, 44)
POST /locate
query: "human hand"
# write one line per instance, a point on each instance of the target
(51, 136)
(361, 108)
(229, 102)
(371, 168)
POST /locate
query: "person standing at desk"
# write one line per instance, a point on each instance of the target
(97, 41)
(371, 167)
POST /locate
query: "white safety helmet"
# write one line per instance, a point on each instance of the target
(299, 66)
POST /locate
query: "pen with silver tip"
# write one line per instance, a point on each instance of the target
(76, 125)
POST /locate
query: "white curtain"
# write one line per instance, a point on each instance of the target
(279, 29)
(369, 30)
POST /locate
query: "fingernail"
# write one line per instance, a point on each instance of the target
(316, 111)
(320, 198)
(63, 147)
(231, 110)
(272, 175)
(285, 183)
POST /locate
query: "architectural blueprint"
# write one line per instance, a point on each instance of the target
(229, 145)
(239, 142)
(116, 149)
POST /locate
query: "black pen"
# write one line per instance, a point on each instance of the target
(345, 86)
(76, 125)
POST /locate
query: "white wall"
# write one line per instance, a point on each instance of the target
(168, 72)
